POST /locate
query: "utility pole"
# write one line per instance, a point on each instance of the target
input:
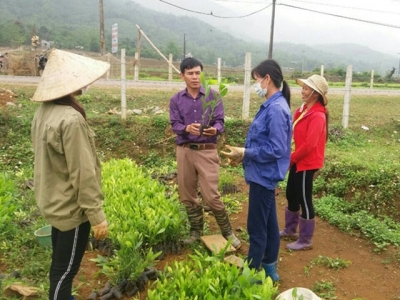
(271, 36)
(398, 70)
(102, 40)
(184, 46)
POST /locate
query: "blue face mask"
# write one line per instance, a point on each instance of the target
(259, 90)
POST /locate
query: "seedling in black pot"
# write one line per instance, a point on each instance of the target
(210, 100)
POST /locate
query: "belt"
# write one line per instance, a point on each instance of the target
(199, 146)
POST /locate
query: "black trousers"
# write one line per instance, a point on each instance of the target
(68, 250)
(299, 192)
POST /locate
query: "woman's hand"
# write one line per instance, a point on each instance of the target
(100, 230)
(235, 155)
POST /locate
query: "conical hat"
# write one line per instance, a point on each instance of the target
(66, 73)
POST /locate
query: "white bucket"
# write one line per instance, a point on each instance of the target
(306, 293)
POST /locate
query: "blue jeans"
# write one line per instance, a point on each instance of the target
(262, 226)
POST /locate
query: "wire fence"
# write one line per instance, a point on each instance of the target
(26, 63)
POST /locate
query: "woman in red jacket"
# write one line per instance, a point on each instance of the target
(310, 134)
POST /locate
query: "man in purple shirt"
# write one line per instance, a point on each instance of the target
(196, 151)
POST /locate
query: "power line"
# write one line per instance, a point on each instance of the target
(347, 7)
(240, 1)
(292, 6)
(339, 16)
(316, 3)
(212, 14)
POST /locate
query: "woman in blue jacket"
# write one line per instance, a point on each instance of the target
(266, 158)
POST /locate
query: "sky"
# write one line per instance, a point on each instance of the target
(318, 21)
(309, 22)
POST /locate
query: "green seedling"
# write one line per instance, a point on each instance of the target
(210, 101)
(325, 290)
(331, 263)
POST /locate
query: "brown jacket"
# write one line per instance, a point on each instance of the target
(67, 175)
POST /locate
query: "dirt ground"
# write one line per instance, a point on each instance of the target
(6, 96)
(370, 275)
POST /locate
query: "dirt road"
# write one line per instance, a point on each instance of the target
(180, 85)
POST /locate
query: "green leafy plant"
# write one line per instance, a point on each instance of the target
(85, 98)
(210, 100)
(227, 182)
(129, 261)
(7, 206)
(141, 218)
(233, 203)
(330, 263)
(324, 289)
(349, 218)
(210, 278)
(307, 271)
(135, 200)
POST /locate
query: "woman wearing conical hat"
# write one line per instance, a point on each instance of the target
(67, 178)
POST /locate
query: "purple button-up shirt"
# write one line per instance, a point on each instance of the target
(185, 110)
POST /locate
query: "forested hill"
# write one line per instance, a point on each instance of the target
(75, 23)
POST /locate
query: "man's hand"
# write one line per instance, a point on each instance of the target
(193, 128)
(101, 230)
(235, 155)
(211, 131)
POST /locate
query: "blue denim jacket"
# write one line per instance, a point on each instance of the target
(268, 143)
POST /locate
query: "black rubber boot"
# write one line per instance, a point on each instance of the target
(196, 220)
(223, 222)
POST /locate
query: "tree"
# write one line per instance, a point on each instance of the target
(44, 33)
(390, 73)
(94, 45)
(14, 34)
(172, 48)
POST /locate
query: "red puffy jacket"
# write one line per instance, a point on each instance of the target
(309, 134)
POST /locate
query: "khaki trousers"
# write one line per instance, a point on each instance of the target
(198, 166)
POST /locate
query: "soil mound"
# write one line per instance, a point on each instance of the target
(6, 96)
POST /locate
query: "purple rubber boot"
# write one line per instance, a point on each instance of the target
(291, 223)
(306, 231)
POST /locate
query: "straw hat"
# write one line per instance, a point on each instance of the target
(66, 73)
(317, 83)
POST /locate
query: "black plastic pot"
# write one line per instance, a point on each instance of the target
(106, 289)
(131, 288)
(202, 127)
(107, 296)
(93, 296)
(116, 293)
(151, 274)
(141, 282)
